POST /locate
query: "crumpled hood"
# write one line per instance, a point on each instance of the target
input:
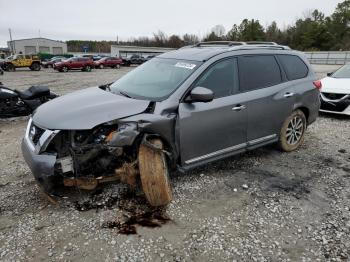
(86, 109)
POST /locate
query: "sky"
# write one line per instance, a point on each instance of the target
(109, 19)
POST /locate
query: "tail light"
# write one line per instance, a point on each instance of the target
(318, 84)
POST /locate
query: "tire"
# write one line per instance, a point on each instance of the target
(293, 131)
(117, 66)
(87, 68)
(154, 174)
(65, 69)
(10, 68)
(52, 95)
(35, 67)
(101, 66)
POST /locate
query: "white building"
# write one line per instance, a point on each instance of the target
(37, 45)
(125, 51)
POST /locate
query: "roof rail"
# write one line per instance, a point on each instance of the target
(235, 45)
(260, 43)
(219, 43)
(260, 46)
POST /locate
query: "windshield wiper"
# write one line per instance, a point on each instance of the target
(124, 94)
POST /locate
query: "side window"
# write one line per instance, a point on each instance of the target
(258, 71)
(220, 78)
(294, 67)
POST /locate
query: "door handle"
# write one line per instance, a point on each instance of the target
(288, 94)
(239, 107)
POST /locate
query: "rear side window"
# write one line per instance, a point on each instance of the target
(258, 71)
(294, 67)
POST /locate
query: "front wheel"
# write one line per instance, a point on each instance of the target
(117, 66)
(35, 67)
(65, 69)
(154, 173)
(10, 67)
(293, 131)
(87, 68)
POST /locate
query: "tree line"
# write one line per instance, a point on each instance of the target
(314, 32)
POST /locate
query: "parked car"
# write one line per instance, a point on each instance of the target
(150, 57)
(134, 60)
(94, 57)
(49, 63)
(180, 110)
(20, 61)
(113, 62)
(335, 95)
(74, 63)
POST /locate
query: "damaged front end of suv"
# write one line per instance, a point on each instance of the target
(103, 134)
(106, 153)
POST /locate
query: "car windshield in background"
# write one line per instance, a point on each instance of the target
(343, 72)
(155, 80)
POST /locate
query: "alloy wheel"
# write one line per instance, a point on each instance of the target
(295, 130)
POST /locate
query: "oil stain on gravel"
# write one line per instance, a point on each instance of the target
(136, 211)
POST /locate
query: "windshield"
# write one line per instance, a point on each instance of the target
(343, 72)
(155, 79)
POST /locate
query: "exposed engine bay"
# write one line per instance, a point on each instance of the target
(90, 153)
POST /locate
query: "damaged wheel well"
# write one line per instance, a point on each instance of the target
(170, 152)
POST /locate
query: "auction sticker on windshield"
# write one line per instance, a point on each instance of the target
(185, 65)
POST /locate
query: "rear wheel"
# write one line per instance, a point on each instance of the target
(154, 173)
(35, 67)
(10, 67)
(293, 131)
(101, 66)
(117, 66)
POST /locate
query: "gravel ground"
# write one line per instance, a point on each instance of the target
(259, 206)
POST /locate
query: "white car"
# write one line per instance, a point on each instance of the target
(335, 92)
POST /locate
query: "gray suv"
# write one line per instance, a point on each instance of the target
(180, 110)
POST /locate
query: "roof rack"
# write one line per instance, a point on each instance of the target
(235, 45)
(260, 46)
(260, 43)
(219, 43)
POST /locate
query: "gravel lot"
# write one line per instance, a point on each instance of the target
(259, 206)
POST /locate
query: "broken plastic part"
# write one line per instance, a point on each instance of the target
(125, 136)
(127, 173)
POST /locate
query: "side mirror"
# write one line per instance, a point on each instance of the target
(329, 74)
(201, 94)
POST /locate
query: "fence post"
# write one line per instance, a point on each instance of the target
(346, 58)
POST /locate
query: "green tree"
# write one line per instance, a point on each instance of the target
(233, 34)
(251, 30)
(339, 26)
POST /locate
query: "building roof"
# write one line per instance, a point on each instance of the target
(36, 38)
